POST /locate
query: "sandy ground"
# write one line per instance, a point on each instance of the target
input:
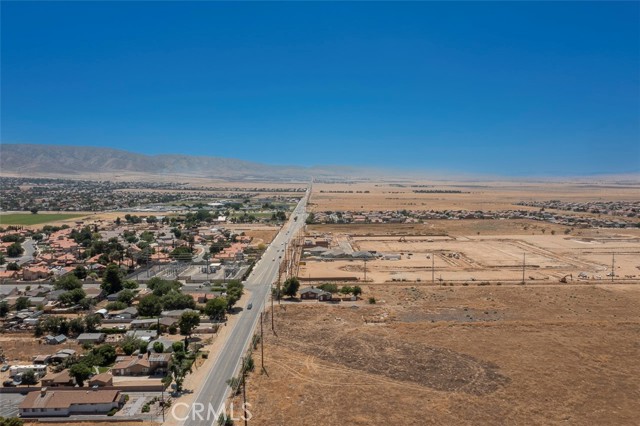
(462, 355)
(458, 251)
(475, 196)
(20, 348)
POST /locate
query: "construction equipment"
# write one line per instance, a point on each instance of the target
(564, 279)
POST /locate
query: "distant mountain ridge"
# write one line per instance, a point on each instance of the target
(32, 159)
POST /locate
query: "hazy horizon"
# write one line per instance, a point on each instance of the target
(499, 89)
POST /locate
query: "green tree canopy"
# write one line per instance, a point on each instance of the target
(112, 279)
(215, 308)
(15, 250)
(22, 303)
(29, 378)
(149, 306)
(188, 321)
(80, 372)
(291, 286)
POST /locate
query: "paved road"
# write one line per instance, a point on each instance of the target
(29, 247)
(215, 390)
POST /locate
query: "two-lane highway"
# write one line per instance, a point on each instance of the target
(213, 393)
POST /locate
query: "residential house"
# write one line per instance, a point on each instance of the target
(42, 359)
(57, 403)
(314, 293)
(62, 355)
(63, 378)
(92, 338)
(55, 340)
(141, 365)
(101, 380)
(33, 273)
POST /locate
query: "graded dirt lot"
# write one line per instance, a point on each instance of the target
(482, 250)
(454, 355)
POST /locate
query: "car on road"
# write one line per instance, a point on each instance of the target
(250, 305)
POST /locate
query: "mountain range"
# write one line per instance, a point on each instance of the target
(63, 160)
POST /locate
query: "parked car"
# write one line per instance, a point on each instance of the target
(8, 383)
(4, 368)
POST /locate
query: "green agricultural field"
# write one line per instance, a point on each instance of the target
(35, 219)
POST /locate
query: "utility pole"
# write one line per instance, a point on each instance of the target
(524, 256)
(244, 392)
(273, 326)
(613, 266)
(261, 345)
(433, 267)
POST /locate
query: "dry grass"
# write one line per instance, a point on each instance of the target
(475, 196)
(463, 355)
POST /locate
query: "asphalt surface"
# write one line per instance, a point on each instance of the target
(29, 247)
(215, 390)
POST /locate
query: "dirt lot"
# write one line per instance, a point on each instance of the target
(494, 195)
(458, 251)
(454, 355)
(20, 348)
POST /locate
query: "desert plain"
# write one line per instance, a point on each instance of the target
(459, 339)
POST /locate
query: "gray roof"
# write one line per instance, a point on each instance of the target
(313, 290)
(91, 336)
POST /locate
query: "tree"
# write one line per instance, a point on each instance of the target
(81, 372)
(2, 259)
(68, 282)
(346, 290)
(310, 218)
(22, 303)
(29, 378)
(107, 352)
(181, 253)
(76, 326)
(331, 288)
(15, 250)
(161, 287)
(177, 346)
(115, 306)
(72, 297)
(34, 210)
(4, 308)
(175, 300)
(126, 296)
(86, 303)
(215, 308)
(188, 321)
(130, 344)
(130, 284)
(112, 279)
(158, 347)
(291, 286)
(13, 266)
(149, 306)
(11, 421)
(356, 291)
(80, 272)
(92, 322)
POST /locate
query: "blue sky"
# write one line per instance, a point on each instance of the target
(504, 88)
